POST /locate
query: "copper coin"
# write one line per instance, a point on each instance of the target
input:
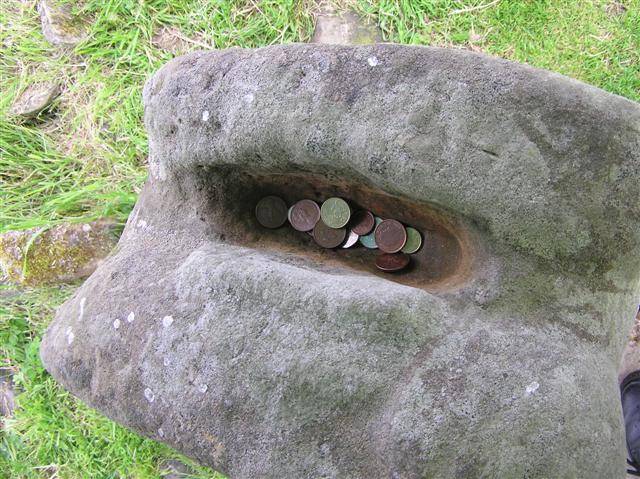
(368, 241)
(352, 238)
(271, 212)
(328, 237)
(304, 215)
(362, 222)
(390, 236)
(392, 261)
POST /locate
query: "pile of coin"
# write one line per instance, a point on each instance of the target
(334, 224)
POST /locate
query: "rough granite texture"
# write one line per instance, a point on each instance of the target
(263, 363)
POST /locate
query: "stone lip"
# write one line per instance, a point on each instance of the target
(264, 363)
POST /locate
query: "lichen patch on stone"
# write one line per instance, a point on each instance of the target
(149, 395)
(167, 321)
(532, 388)
(83, 301)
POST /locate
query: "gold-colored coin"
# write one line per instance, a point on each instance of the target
(414, 241)
(335, 212)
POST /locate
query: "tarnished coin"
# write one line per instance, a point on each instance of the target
(271, 212)
(304, 215)
(335, 212)
(390, 236)
(328, 237)
(352, 238)
(369, 241)
(362, 222)
(414, 241)
(289, 213)
(392, 261)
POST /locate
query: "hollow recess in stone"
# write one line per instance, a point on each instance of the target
(446, 261)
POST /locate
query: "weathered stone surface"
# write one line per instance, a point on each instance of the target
(253, 352)
(343, 28)
(59, 25)
(35, 98)
(60, 254)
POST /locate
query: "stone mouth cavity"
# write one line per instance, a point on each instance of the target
(444, 262)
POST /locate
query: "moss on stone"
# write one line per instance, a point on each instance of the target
(60, 254)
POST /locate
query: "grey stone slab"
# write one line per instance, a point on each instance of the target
(343, 28)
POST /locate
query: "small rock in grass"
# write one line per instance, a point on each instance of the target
(35, 98)
(170, 39)
(343, 28)
(61, 254)
(614, 9)
(174, 469)
(59, 26)
(7, 393)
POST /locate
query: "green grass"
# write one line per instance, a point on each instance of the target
(583, 39)
(86, 157)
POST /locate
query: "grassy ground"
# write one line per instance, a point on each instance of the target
(86, 158)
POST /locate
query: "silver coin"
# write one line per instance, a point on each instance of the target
(351, 239)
